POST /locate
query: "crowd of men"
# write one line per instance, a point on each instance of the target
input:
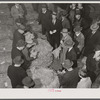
(75, 40)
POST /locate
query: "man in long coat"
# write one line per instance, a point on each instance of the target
(55, 27)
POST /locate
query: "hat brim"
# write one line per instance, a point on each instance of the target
(94, 28)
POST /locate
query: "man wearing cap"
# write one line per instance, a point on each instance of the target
(55, 27)
(70, 78)
(44, 17)
(18, 34)
(21, 50)
(67, 44)
(79, 20)
(65, 21)
(18, 76)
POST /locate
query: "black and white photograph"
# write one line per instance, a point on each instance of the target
(49, 45)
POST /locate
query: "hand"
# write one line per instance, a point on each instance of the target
(54, 31)
(51, 32)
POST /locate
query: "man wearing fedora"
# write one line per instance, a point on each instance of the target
(79, 20)
(65, 21)
(67, 44)
(44, 17)
(18, 76)
(93, 63)
(92, 38)
(68, 78)
(55, 27)
(79, 39)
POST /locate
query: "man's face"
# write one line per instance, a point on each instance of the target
(44, 10)
(78, 17)
(77, 33)
(54, 16)
(17, 4)
(97, 55)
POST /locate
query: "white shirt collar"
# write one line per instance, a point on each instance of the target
(70, 49)
(70, 69)
(16, 65)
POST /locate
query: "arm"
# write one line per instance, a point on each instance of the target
(26, 54)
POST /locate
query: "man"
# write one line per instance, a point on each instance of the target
(21, 50)
(17, 11)
(55, 27)
(79, 40)
(18, 34)
(65, 21)
(85, 81)
(18, 75)
(44, 17)
(79, 20)
(69, 78)
(93, 63)
(93, 38)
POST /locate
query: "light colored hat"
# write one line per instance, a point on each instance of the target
(94, 26)
(64, 30)
(68, 63)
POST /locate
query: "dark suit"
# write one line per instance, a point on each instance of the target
(69, 79)
(16, 75)
(93, 67)
(15, 52)
(54, 39)
(91, 42)
(16, 37)
(44, 20)
(71, 55)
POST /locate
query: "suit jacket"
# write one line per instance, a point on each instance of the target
(16, 75)
(16, 37)
(57, 26)
(91, 42)
(71, 55)
(16, 11)
(92, 64)
(69, 79)
(44, 19)
(66, 23)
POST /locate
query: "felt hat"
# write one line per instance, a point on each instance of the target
(97, 48)
(94, 26)
(27, 81)
(77, 28)
(78, 12)
(68, 63)
(20, 43)
(18, 60)
(54, 13)
(43, 6)
(64, 13)
(68, 42)
(64, 30)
